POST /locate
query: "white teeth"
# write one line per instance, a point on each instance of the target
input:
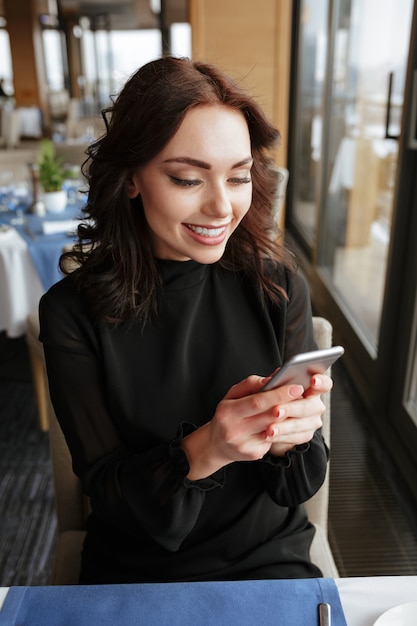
(206, 232)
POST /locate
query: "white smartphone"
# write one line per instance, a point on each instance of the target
(300, 368)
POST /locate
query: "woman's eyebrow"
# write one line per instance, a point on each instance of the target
(247, 161)
(203, 164)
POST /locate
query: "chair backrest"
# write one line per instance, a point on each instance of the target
(281, 189)
(71, 505)
(317, 507)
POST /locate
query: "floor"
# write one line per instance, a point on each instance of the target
(372, 525)
(372, 528)
(27, 518)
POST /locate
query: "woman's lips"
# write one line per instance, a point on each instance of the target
(208, 235)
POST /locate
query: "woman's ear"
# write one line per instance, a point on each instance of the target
(133, 189)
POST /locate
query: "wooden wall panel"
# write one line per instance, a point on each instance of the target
(26, 51)
(252, 42)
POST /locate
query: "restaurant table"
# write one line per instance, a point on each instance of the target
(365, 599)
(343, 172)
(30, 247)
(247, 603)
(354, 602)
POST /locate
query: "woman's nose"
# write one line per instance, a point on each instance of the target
(218, 202)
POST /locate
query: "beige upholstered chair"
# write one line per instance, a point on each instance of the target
(9, 128)
(282, 175)
(72, 507)
(317, 507)
(37, 362)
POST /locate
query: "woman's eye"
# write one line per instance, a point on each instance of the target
(184, 182)
(240, 181)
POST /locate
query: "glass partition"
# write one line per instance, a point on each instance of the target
(309, 116)
(352, 57)
(363, 126)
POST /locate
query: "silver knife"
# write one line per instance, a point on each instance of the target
(325, 616)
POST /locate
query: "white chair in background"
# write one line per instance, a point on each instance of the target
(10, 128)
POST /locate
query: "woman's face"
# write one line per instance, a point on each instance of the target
(198, 188)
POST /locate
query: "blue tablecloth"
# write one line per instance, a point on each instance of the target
(247, 603)
(44, 250)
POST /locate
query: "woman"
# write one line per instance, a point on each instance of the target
(158, 344)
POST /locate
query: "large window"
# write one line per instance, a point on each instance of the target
(109, 57)
(353, 198)
(132, 49)
(6, 70)
(54, 59)
(181, 40)
(349, 107)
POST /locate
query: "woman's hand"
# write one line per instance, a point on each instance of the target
(299, 419)
(248, 424)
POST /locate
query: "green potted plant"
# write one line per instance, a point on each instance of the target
(51, 175)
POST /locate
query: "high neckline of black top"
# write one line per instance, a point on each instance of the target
(181, 274)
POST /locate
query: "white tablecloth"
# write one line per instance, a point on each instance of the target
(366, 599)
(20, 285)
(3, 594)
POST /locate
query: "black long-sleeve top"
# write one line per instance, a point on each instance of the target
(125, 397)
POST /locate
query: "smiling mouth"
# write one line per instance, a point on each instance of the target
(206, 232)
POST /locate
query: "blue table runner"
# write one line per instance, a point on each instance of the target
(44, 250)
(240, 603)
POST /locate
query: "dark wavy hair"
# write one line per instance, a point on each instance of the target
(116, 270)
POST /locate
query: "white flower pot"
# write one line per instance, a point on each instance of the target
(55, 201)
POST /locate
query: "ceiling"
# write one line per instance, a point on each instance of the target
(127, 14)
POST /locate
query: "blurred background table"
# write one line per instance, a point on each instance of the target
(29, 261)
